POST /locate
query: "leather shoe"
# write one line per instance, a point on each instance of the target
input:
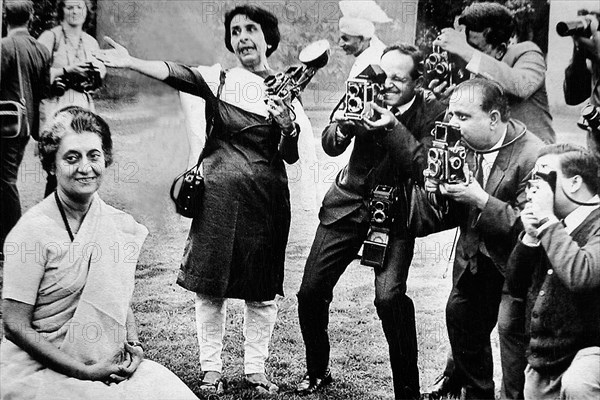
(443, 387)
(310, 384)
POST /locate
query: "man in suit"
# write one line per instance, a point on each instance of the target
(389, 151)
(28, 79)
(519, 68)
(487, 211)
(556, 267)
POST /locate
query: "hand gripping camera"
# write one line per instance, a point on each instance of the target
(366, 87)
(446, 159)
(81, 83)
(442, 66)
(383, 211)
(289, 84)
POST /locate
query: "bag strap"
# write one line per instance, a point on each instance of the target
(19, 73)
(210, 121)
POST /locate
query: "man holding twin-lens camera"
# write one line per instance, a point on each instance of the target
(389, 150)
(487, 211)
(519, 68)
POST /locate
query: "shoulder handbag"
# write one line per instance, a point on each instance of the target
(187, 190)
(13, 114)
(423, 217)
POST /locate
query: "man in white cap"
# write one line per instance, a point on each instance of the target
(357, 33)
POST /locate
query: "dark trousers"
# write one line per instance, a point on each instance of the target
(471, 314)
(334, 247)
(513, 343)
(11, 155)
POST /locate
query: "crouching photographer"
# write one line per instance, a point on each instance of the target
(389, 149)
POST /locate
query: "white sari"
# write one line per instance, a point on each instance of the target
(81, 304)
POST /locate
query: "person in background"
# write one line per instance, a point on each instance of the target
(71, 50)
(25, 75)
(556, 267)
(357, 33)
(482, 41)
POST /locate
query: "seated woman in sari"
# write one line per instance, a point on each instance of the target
(68, 282)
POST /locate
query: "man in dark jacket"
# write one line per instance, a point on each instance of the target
(31, 85)
(487, 211)
(556, 267)
(388, 151)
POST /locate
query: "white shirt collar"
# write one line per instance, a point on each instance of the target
(404, 107)
(578, 215)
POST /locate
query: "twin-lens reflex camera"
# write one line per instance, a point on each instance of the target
(289, 84)
(444, 67)
(446, 159)
(383, 210)
(366, 87)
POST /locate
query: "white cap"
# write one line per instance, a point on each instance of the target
(359, 16)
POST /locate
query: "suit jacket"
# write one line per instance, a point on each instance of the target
(522, 74)
(561, 281)
(379, 158)
(581, 84)
(493, 230)
(35, 72)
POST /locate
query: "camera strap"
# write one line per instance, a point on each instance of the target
(505, 145)
(19, 73)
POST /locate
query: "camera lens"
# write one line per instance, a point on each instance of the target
(455, 162)
(434, 169)
(355, 105)
(379, 216)
(592, 116)
(353, 89)
(442, 68)
(433, 154)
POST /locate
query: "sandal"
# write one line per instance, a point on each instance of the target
(263, 387)
(216, 387)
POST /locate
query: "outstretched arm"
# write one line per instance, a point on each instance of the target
(119, 57)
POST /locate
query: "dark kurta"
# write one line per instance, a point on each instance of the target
(236, 246)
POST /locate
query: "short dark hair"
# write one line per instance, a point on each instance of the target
(492, 96)
(18, 12)
(60, 12)
(267, 21)
(78, 120)
(575, 160)
(412, 52)
(479, 16)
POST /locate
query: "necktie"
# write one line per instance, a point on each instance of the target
(479, 168)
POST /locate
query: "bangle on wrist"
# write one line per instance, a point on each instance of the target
(135, 343)
(291, 133)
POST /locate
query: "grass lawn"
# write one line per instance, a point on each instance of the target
(150, 150)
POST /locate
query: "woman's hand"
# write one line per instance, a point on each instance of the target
(134, 355)
(117, 57)
(280, 112)
(77, 69)
(111, 370)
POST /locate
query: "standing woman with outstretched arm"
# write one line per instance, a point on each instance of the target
(236, 245)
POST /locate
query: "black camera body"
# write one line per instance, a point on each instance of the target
(89, 82)
(446, 159)
(383, 210)
(442, 66)
(363, 89)
(590, 118)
